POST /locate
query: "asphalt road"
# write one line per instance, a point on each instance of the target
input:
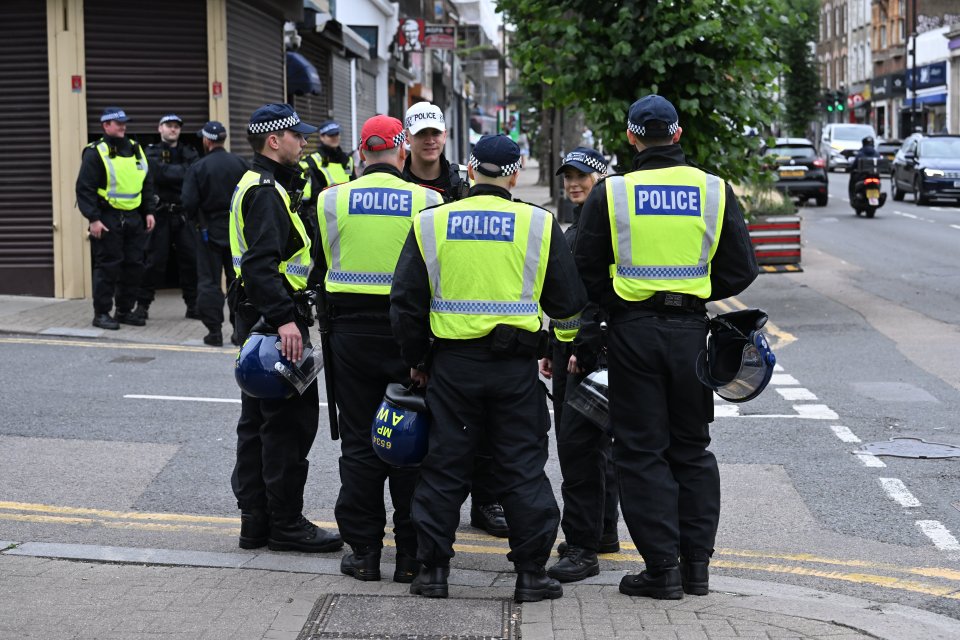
(134, 446)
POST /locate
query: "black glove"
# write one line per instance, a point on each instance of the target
(588, 345)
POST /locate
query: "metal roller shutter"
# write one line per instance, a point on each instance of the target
(366, 93)
(341, 103)
(133, 62)
(26, 208)
(315, 109)
(255, 67)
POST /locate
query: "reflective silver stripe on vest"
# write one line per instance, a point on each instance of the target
(484, 307)
(112, 179)
(360, 277)
(428, 238)
(625, 268)
(297, 269)
(567, 324)
(538, 221)
(333, 231)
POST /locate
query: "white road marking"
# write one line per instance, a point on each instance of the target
(898, 492)
(955, 226)
(941, 537)
(726, 411)
(844, 433)
(909, 215)
(778, 368)
(815, 412)
(135, 396)
(783, 378)
(870, 460)
(796, 393)
(938, 208)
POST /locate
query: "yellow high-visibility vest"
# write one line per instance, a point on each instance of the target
(125, 176)
(333, 172)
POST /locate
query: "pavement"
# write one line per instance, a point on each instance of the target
(85, 591)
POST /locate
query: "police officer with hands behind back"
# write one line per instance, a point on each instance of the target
(363, 225)
(116, 196)
(271, 257)
(680, 241)
(474, 274)
(207, 189)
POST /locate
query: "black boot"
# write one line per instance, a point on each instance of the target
(213, 339)
(254, 528)
(695, 576)
(129, 317)
(235, 338)
(191, 314)
(105, 321)
(296, 533)
(363, 564)
(431, 582)
(576, 564)
(664, 585)
(143, 310)
(407, 568)
(609, 543)
(490, 518)
(534, 586)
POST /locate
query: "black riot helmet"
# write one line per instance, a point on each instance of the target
(401, 426)
(867, 142)
(738, 362)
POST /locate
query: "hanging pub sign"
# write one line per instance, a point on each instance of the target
(410, 35)
(440, 36)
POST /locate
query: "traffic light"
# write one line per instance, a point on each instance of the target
(841, 101)
(828, 101)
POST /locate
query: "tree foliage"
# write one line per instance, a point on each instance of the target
(716, 60)
(801, 82)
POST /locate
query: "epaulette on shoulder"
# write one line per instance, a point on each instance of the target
(535, 206)
(266, 179)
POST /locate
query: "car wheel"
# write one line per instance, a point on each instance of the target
(918, 195)
(822, 200)
(895, 190)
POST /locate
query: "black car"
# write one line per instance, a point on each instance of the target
(800, 171)
(928, 167)
(888, 149)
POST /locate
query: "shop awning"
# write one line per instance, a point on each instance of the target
(302, 77)
(933, 98)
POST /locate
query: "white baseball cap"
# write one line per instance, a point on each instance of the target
(424, 115)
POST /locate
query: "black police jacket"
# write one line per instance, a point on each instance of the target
(93, 176)
(562, 296)
(448, 183)
(332, 156)
(271, 238)
(208, 188)
(734, 265)
(168, 167)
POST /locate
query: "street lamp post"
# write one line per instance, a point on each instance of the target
(913, 71)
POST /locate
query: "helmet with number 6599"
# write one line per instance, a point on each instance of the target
(401, 426)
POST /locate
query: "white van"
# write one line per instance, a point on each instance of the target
(840, 142)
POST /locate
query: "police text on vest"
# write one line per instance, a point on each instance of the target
(380, 201)
(667, 200)
(481, 225)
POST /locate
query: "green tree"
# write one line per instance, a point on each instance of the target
(714, 59)
(801, 82)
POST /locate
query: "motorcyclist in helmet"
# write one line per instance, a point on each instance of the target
(867, 150)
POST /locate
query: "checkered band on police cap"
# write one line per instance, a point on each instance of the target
(641, 131)
(274, 125)
(506, 170)
(578, 156)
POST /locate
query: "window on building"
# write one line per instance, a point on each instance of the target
(903, 30)
(842, 71)
(826, 16)
(883, 36)
(836, 20)
(902, 8)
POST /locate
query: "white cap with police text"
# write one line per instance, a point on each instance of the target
(424, 115)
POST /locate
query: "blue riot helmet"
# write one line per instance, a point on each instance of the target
(590, 398)
(738, 362)
(400, 427)
(263, 372)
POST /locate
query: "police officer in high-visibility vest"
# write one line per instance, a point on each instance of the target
(116, 196)
(476, 275)
(327, 166)
(653, 246)
(271, 258)
(363, 225)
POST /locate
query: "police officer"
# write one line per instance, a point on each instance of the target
(327, 166)
(477, 274)
(169, 161)
(680, 241)
(207, 189)
(271, 257)
(363, 225)
(589, 490)
(427, 165)
(114, 194)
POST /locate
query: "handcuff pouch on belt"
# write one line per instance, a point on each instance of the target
(507, 340)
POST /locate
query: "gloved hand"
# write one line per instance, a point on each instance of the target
(588, 345)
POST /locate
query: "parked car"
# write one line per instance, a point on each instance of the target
(928, 167)
(839, 142)
(800, 171)
(888, 149)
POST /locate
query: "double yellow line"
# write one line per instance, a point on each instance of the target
(782, 338)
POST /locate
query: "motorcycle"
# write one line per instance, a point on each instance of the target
(867, 196)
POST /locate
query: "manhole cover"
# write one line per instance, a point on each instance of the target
(365, 617)
(132, 359)
(911, 448)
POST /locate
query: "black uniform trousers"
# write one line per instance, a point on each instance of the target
(472, 394)
(118, 260)
(660, 413)
(213, 259)
(589, 488)
(273, 440)
(170, 229)
(365, 360)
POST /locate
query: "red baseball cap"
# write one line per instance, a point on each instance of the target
(390, 130)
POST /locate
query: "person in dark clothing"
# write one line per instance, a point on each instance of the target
(589, 489)
(116, 196)
(169, 161)
(426, 165)
(867, 150)
(271, 258)
(207, 190)
(654, 299)
(482, 367)
(325, 167)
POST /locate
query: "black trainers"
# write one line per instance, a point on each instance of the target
(609, 543)
(662, 586)
(490, 518)
(105, 321)
(431, 582)
(299, 534)
(534, 586)
(407, 568)
(695, 576)
(575, 564)
(213, 339)
(363, 564)
(129, 317)
(254, 529)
